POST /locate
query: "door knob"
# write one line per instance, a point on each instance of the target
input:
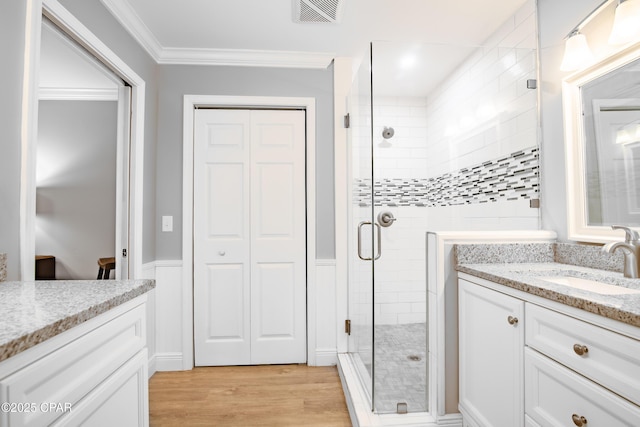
(222, 253)
(512, 320)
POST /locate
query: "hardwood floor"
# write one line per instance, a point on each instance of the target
(266, 395)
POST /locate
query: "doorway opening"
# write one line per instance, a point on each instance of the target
(130, 134)
(249, 237)
(82, 153)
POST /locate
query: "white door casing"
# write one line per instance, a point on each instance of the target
(249, 237)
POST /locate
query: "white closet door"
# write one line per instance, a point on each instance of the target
(249, 237)
(278, 228)
(222, 238)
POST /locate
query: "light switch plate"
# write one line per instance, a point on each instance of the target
(167, 223)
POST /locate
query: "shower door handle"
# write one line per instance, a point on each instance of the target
(379, 234)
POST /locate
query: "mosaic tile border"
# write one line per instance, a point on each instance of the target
(514, 177)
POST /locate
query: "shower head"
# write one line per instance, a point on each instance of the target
(387, 132)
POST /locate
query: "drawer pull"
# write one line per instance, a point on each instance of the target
(512, 320)
(578, 420)
(580, 350)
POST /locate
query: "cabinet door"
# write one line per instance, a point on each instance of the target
(491, 356)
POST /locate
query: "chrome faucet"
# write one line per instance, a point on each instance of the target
(631, 250)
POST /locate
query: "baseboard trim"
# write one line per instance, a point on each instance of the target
(152, 365)
(168, 362)
(326, 357)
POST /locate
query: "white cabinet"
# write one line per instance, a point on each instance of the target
(491, 356)
(576, 373)
(93, 374)
(606, 357)
(557, 396)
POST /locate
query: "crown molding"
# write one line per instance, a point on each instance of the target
(76, 94)
(129, 19)
(245, 58)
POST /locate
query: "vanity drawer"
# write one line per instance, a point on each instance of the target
(557, 396)
(610, 359)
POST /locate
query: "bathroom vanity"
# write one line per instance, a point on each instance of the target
(548, 344)
(73, 352)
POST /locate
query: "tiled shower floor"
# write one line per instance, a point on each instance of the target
(399, 377)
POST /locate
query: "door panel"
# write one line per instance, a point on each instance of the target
(225, 182)
(275, 312)
(221, 238)
(278, 248)
(249, 237)
(276, 199)
(360, 238)
(226, 303)
(228, 322)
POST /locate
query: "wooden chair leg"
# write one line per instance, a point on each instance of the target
(100, 271)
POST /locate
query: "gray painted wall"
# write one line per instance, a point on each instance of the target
(176, 81)
(76, 185)
(556, 20)
(12, 18)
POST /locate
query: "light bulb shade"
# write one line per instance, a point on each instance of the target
(626, 24)
(577, 54)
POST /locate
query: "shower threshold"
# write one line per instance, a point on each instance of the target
(360, 409)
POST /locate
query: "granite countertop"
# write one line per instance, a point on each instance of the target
(32, 312)
(527, 277)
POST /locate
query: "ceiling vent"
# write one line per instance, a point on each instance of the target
(318, 11)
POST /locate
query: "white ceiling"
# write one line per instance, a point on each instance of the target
(169, 28)
(263, 33)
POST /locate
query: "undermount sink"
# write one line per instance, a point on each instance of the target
(590, 285)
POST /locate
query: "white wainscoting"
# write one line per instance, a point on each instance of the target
(326, 322)
(149, 272)
(165, 315)
(166, 329)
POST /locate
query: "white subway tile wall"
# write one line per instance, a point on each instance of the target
(482, 113)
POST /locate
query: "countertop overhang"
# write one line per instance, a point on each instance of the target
(33, 312)
(527, 277)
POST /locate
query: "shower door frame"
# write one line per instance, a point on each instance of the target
(360, 324)
(343, 79)
(434, 404)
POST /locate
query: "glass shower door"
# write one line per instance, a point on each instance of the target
(387, 292)
(361, 228)
(399, 130)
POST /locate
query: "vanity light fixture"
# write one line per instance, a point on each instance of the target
(626, 28)
(626, 24)
(577, 54)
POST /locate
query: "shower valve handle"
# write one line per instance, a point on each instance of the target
(386, 218)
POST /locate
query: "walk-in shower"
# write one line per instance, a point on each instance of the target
(463, 156)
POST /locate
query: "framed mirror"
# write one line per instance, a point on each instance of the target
(602, 142)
